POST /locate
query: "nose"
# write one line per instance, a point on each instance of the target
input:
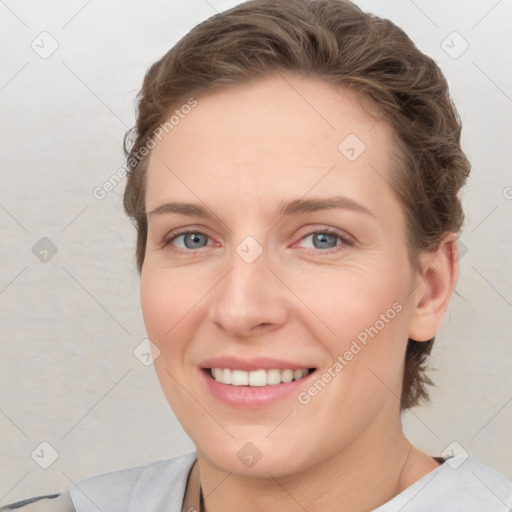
(250, 300)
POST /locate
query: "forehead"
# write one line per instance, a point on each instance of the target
(278, 135)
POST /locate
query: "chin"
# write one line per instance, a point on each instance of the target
(259, 458)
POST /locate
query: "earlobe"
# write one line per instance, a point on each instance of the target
(439, 275)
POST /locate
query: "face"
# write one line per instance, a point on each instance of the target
(295, 267)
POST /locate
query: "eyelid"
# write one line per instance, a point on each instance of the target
(345, 238)
(176, 233)
(331, 231)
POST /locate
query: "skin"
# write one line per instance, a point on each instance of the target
(239, 153)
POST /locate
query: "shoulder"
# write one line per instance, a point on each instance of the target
(461, 483)
(136, 488)
(487, 486)
(50, 503)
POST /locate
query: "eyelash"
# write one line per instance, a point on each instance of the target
(327, 231)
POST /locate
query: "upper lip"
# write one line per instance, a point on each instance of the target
(250, 364)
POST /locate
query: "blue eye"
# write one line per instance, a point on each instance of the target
(191, 240)
(324, 240)
(327, 239)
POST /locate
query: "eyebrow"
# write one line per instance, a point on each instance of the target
(286, 208)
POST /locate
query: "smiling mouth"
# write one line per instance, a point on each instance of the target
(257, 378)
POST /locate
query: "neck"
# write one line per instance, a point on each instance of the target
(377, 466)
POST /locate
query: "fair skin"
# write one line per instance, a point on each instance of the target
(239, 154)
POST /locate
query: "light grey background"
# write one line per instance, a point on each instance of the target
(69, 325)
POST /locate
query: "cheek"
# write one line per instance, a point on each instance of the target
(164, 307)
(155, 302)
(353, 301)
(361, 318)
(167, 297)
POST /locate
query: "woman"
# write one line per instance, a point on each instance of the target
(293, 180)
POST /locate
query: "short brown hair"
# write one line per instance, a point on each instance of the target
(334, 41)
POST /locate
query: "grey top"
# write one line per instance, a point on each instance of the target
(459, 485)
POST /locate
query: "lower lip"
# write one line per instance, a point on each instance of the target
(252, 397)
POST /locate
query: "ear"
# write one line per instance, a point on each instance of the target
(439, 270)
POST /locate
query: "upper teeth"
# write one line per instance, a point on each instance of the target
(256, 377)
